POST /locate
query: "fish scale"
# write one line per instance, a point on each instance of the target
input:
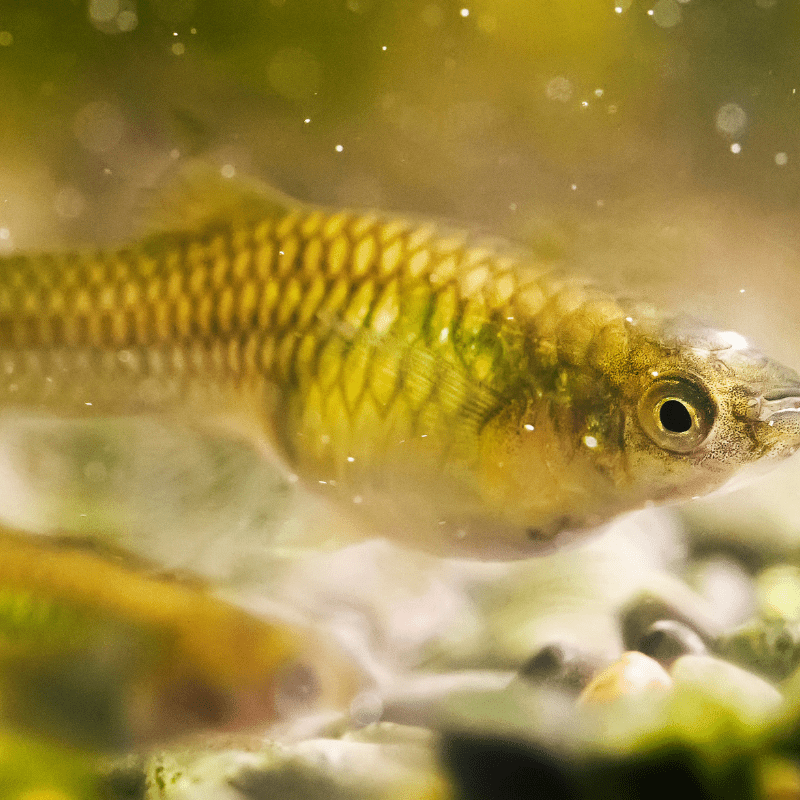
(442, 384)
(373, 331)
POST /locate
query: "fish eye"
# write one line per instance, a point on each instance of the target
(677, 414)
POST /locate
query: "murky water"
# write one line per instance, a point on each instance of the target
(652, 144)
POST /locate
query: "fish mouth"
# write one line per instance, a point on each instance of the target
(780, 400)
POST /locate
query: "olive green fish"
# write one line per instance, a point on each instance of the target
(462, 396)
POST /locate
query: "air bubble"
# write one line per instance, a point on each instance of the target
(666, 13)
(731, 119)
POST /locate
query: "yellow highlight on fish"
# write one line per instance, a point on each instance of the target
(462, 397)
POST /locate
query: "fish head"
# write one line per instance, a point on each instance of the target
(702, 409)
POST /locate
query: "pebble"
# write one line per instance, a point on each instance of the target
(633, 673)
(682, 605)
(560, 665)
(668, 639)
(769, 647)
(727, 586)
(733, 686)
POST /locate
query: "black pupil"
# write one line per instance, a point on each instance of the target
(675, 417)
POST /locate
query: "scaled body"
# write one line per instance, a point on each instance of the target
(459, 397)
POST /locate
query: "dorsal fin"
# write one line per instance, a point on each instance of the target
(198, 194)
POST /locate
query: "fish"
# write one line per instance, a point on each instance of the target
(453, 393)
(150, 656)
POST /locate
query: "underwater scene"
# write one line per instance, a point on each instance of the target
(399, 399)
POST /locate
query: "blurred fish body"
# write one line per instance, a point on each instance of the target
(462, 396)
(100, 651)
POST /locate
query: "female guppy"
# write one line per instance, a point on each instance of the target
(462, 397)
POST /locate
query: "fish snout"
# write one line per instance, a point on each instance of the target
(778, 411)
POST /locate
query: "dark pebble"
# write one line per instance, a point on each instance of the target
(560, 665)
(637, 617)
(668, 639)
(769, 647)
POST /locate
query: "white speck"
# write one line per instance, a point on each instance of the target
(358, 499)
(307, 120)
(280, 252)
(175, 33)
(650, 12)
(464, 12)
(81, 515)
(383, 48)
(510, 319)
(87, 404)
(781, 159)
(736, 148)
(741, 291)
(628, 319)
(350, 459)
(654, 373)
(574, 186)
(323, 483)
(598, 92)
(4, 233)
(695, 497)
(424, 436)
(528, 426)
(228, 170)
(584, 104)
(444, 334)
(735, 340)
(443, 522)
(338, 148)
(618, 9)
(771, 422)
(590, 441)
